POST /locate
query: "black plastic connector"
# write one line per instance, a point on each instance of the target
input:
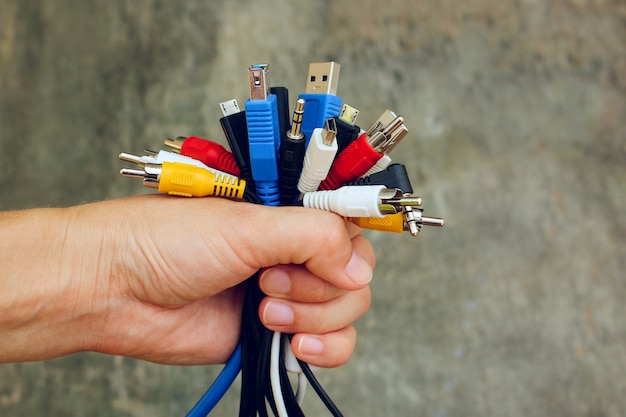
(346, 134)
(236, 131)
(394, 176)
(292, 149)
(282, 100)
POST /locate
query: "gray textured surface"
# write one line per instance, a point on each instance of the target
(517, 111)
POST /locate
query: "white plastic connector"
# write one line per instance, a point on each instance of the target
(347, 201)
(167, 156)
(318, 159)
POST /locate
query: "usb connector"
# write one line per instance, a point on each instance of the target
(320, 95)
(323, 78)
(263, 135)
(259, 78)
(229, 107)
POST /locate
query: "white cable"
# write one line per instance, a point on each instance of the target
(318, 158)
(347, 201)
(275, 376)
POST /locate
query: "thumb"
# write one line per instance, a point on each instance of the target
(295, 235)
(195, 248)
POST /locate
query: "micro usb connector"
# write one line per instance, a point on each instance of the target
(235, 130)
(230, 107)
(347, 130)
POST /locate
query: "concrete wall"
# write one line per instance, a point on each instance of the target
(517, 118)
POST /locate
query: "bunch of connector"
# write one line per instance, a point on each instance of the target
(314, 157)
(317, 156)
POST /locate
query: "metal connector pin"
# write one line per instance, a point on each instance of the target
(296, 122)
(329, 132)
(323, 78)
(259, 78)
(414, 220)
(392, 201)
(349, 114)
(133, 173)
(384, 139)
(384, 123)
(175, 144)
(132, 158)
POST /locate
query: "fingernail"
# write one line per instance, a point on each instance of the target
(310, 345)
(358, 270)
(275, 282)
(277, 314)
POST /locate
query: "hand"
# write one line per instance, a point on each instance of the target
(160, 278)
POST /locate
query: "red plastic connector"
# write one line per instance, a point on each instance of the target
(352, 163)
(211, 154)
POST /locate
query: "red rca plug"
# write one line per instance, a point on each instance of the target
(208, 152)
(361, 155)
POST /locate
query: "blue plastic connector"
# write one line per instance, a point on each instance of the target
(263, 136)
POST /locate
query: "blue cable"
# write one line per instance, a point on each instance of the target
(219, 387)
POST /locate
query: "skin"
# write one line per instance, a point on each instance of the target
(162, 278)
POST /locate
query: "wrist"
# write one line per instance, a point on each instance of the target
(54, 298)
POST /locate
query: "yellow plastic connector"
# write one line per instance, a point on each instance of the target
(390, 223)
(191, 181)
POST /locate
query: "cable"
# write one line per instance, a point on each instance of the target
(394, 176)
(292, 148)
(263, 135)
(208, 152)
(317, 387)
(347, 131)
(270, 163)
(360, 201)
(319, 156)
(235, 127)
(219, 387)
(187, 180)
(361, 155)
(320, 96)
(275, 376)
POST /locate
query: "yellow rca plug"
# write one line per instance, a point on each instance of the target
(390, 223)
(191, 181)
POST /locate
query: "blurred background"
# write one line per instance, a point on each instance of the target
(517, 118)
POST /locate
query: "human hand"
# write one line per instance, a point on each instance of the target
(158, 278)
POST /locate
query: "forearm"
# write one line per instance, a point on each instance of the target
(48, 308)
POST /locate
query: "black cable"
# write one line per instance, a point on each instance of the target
(319, 390)
(291, 404)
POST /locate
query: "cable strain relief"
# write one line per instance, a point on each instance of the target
(288, 189)
(268, 192)
(360, 181)
(229, 186)
(347, 201)
(226, 162)
(330, 183)
(307, 184)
